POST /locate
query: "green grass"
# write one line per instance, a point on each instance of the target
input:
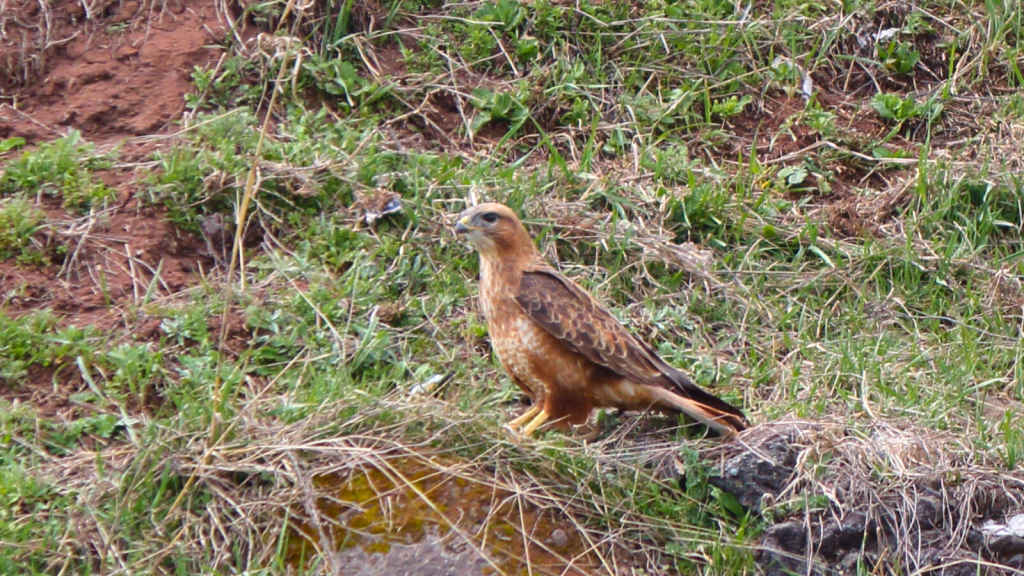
(20, 221)
(878, 276)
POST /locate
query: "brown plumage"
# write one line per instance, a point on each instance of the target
(561, 346)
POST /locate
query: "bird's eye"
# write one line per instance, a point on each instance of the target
(489, 217)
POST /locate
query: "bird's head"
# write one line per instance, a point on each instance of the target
(495, 232)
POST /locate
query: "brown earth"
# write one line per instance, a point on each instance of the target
(102, 269)
(121, 70)
(111, 261)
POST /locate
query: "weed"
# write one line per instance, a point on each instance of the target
(892, 107)
(508, 14)
(63, 167)
(730, 107)
(20, 221)
(503, 106)
(230, 87)
(11, 143)
(898, 57)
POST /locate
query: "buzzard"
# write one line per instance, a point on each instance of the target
(561, 346)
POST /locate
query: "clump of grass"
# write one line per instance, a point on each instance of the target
(20, 221)
(61, 168)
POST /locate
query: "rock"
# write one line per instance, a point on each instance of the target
(975, 540)
(125, 12)
(1006, 546)
(1013, 527)
(97, 57)
(779, 563)
(559, 538)
(849, 533)
(749, 476)
(855, 563)
(1016, 524)
(125, 51)
(783, 550)
(850, 564)
(999, 540)
(789, 536)
(929, 512)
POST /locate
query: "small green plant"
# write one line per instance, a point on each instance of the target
(340, 78)
(669, 165)
(1013, 440)
(730, 107)
(527, 49)
(787, 75)
(818, 119)
(63, 168)
(228, 89)
(502, 106)
(22, 343)
(898, 57)
(20, 220)
(135, 366)
(792, 176)
(899, 110)
(507, 14)
(884, 152)
(11, 144)
(616, 143)
(479, 45)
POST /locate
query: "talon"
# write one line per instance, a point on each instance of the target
(594, 431)
(536, 423)
(514, 433)
(516, 425)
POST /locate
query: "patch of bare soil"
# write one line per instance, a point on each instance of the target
(110, 69)
(102, 268)
(776, 129)
(102, 262)
(762, 127)
(773, 128)
(885, 500)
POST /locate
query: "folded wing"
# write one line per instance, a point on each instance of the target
(585, 326)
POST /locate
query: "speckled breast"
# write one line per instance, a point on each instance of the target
(519, 343)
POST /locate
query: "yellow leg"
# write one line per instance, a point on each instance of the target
(517, 424)
(536, 423)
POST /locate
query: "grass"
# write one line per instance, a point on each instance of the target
(859, 260)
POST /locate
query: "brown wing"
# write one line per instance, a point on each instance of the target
(585, 326)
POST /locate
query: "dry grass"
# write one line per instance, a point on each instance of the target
(909, 496)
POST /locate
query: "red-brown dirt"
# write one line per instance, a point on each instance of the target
(114, 70)
(97, 277)
(120, 70)
(103, 268)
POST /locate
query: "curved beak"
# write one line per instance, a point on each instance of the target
(463, 225)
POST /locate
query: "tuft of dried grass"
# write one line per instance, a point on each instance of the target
(914, 494)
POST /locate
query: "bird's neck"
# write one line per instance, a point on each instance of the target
(500, 277)
(499, 284)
